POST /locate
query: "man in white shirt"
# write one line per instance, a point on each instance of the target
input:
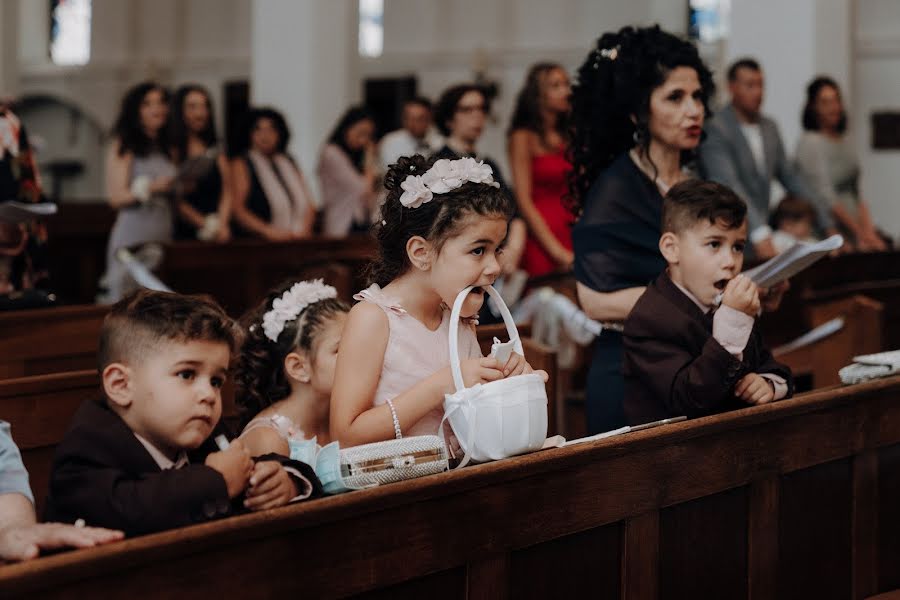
(744, 151)
(416, 136)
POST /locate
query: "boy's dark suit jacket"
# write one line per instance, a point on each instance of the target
(673, 366)
(104, 475)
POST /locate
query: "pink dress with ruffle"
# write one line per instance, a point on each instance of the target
(414, 352)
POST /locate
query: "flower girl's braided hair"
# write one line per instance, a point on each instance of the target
(414, 209)
(294, 323)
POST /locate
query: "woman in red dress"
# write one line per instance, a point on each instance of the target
(537, 156)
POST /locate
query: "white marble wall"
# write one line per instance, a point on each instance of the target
(876, 63)
(172, 41)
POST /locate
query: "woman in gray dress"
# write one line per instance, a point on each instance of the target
(139, 176)
(828, 161)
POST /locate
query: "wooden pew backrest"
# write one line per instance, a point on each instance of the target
(49, 340)
(39, 410)
(240, 273)
(861, 334)
(796, 499)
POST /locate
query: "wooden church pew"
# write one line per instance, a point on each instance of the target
(49, 340)
(76, 248)
(239, 274)
(64, 338)
(862, 334)
(796, 499)
(875, 275)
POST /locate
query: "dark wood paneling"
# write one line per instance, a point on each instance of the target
(581, 564)
(446, 585)
(703, 547)
(762, 538)
(864, 524)
(640, 557)
(815, 533)
(49, 340)
(201, 268)
(704, 479)
(889, 518)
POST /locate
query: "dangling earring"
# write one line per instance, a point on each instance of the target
(639, 135)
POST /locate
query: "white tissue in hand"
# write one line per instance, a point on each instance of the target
(140, 188)
(210, 228)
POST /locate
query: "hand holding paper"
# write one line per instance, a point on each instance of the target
(790, 262)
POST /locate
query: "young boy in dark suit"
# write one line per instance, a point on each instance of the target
(691, 342)
(143, 458)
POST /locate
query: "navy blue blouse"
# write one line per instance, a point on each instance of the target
(616, 240)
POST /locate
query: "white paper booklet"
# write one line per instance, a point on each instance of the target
(792, 261)
(14, 211)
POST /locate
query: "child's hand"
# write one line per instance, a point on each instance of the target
(754, 389)
(234, 464)
(743, 295)
(270, 486)
(480, 370)
(770, 298)
(517, 365)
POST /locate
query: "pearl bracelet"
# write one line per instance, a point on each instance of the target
(397, 433)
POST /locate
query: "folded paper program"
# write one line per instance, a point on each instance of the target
(793, 260)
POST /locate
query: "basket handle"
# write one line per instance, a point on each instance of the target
(454, 331)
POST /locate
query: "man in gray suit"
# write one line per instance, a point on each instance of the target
(743, 150)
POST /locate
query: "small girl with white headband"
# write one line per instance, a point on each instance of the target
(285, 372)
(441, 230)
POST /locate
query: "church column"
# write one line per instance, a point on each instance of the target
(9, 47)
(305, 63)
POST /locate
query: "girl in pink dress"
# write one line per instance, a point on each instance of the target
(441, 229)
(537, 156)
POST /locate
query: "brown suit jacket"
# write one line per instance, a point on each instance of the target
(104, 475)
(672, 364)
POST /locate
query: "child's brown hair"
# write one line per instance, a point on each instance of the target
(139, 322)
(693, 201)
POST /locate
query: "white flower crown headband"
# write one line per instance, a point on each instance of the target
(443, 176)
(292, 303)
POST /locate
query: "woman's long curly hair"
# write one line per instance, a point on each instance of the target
(128, 128)
(611, 98)
(259, 375)
(529, 103)
(434, 221)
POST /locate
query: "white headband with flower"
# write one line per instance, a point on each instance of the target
(292, 303)
(444, 176)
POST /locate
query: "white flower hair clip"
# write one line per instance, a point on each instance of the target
(444, 176)
(292, 303)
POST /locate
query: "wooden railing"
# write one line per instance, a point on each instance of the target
(792, 500)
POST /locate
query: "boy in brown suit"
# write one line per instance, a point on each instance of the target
(691, 342)
(143, 458)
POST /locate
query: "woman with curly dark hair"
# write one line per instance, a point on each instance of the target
(637, 117)
(285, 371)
(538, 136)
(139, 177)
